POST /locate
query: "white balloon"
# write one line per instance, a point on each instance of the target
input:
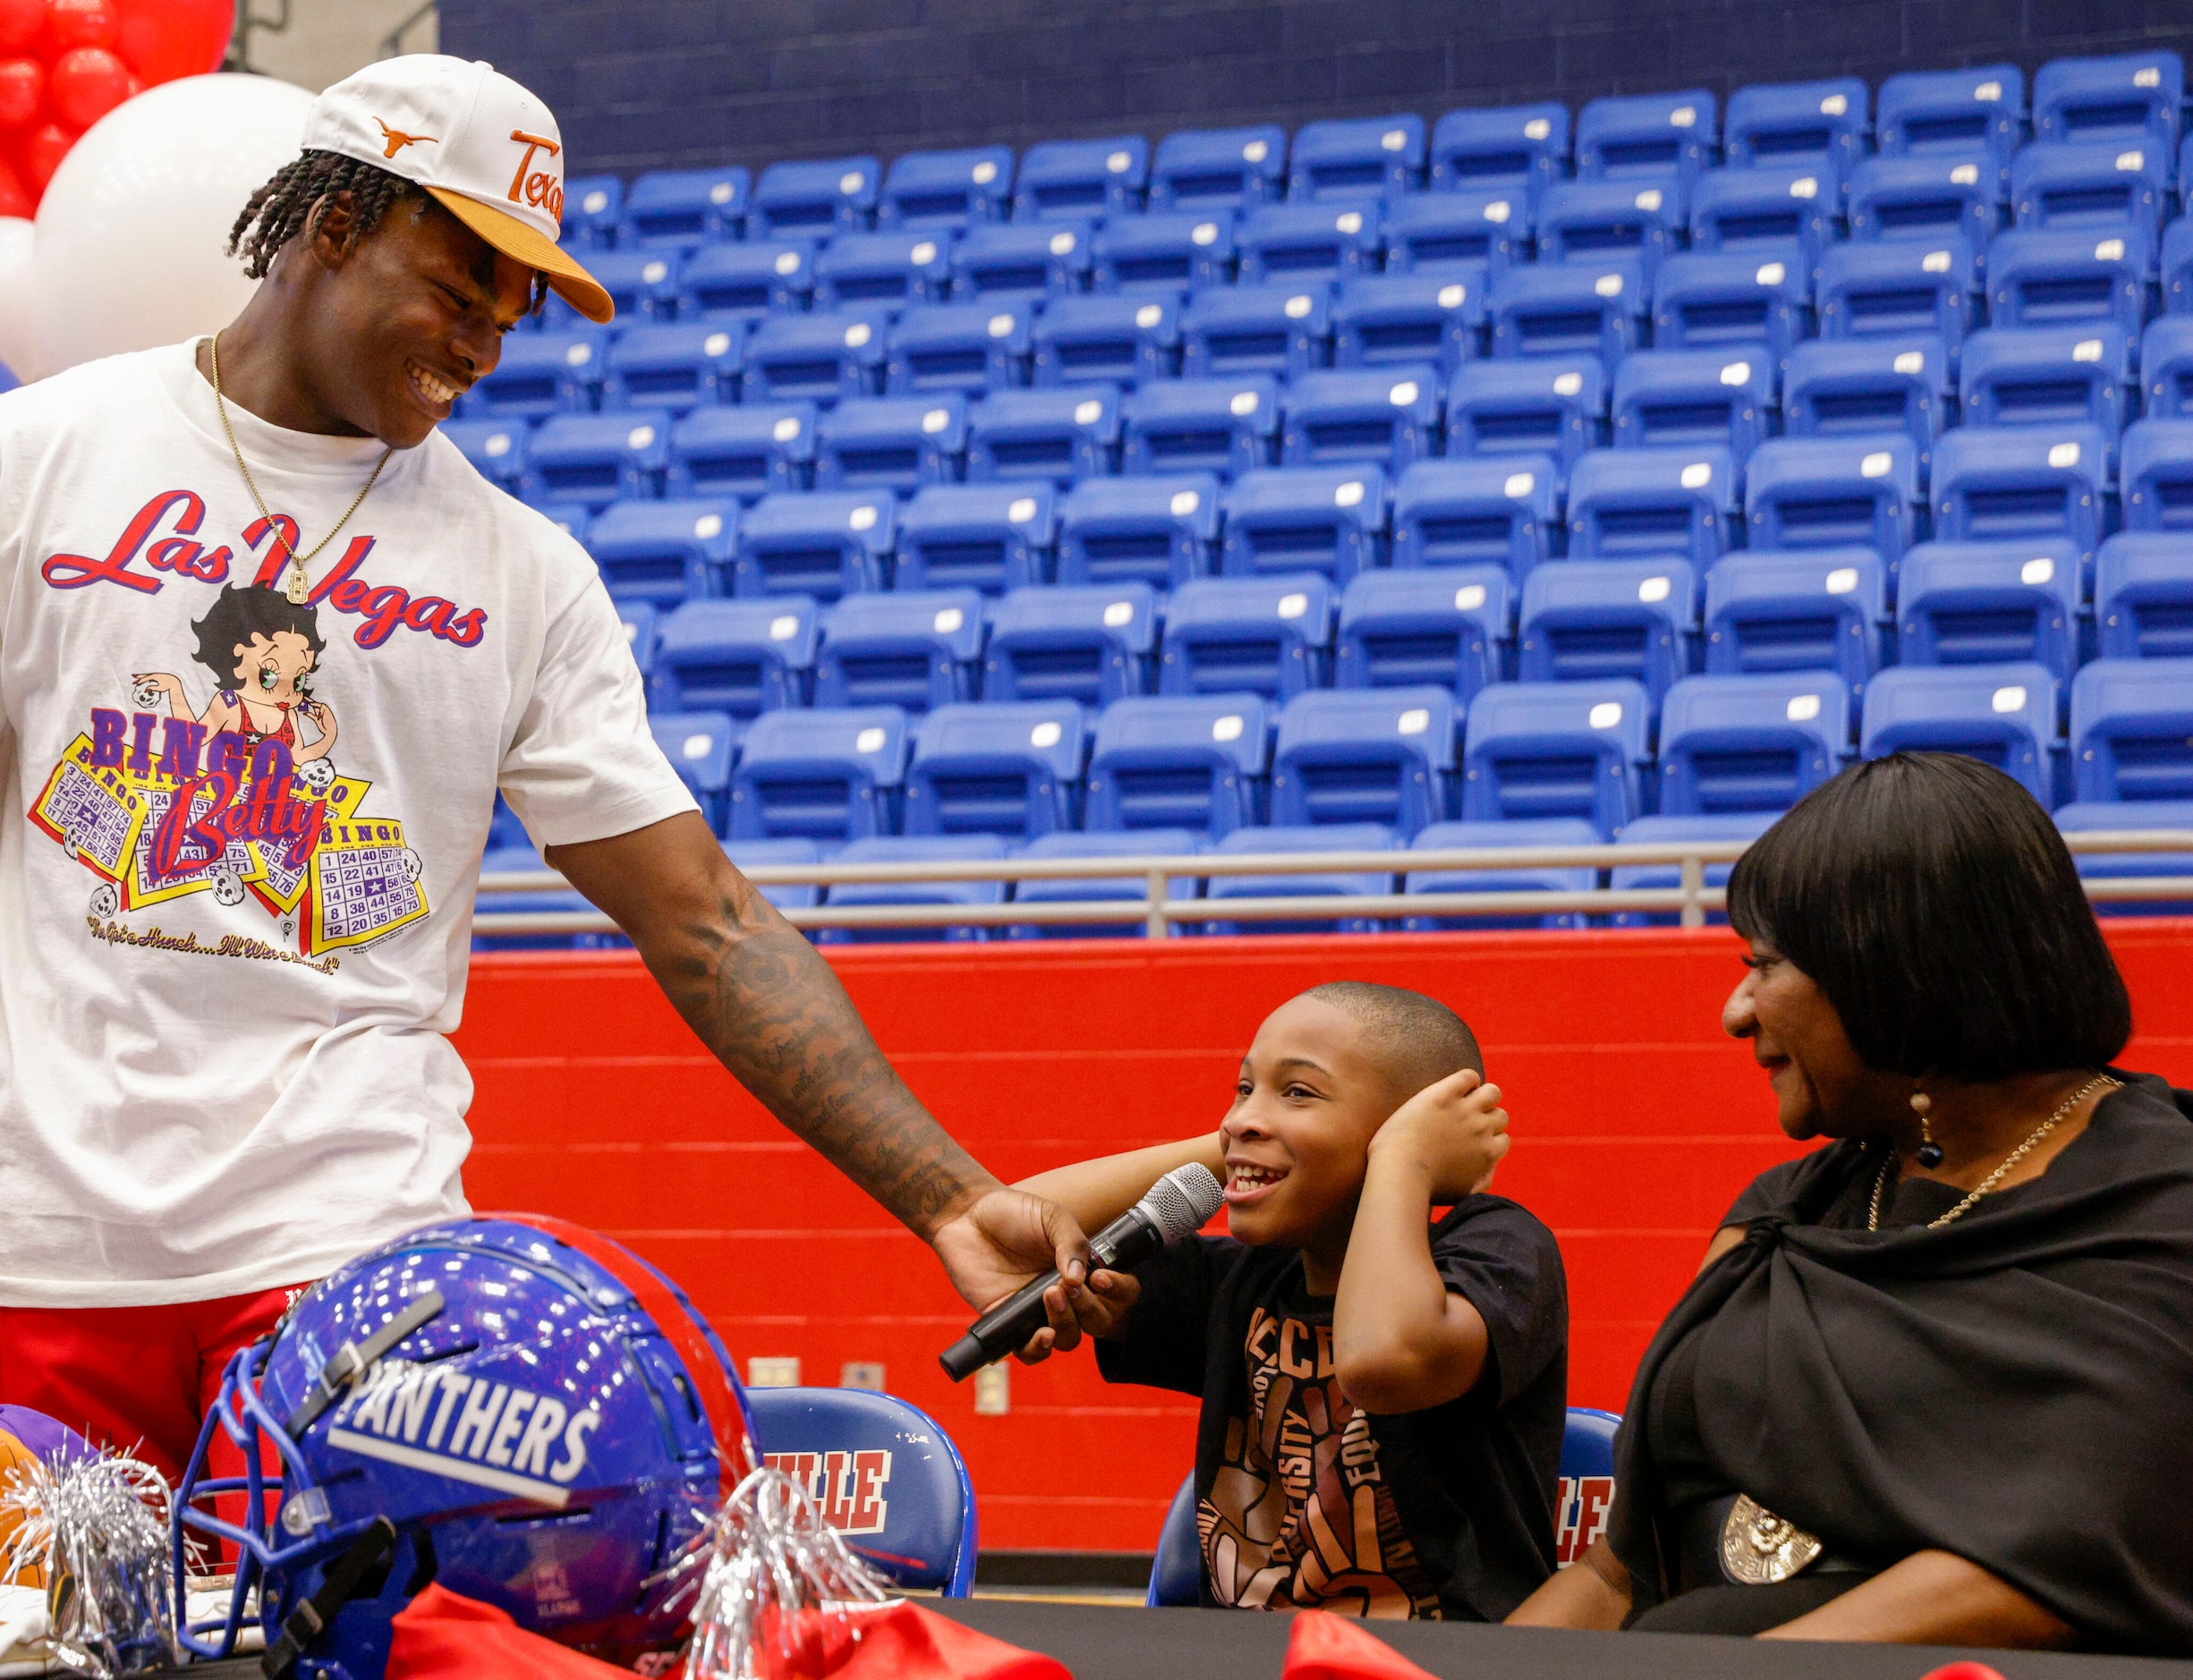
(18, 336)
(131, 231)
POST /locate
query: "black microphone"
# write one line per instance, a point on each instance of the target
(1177, 1206)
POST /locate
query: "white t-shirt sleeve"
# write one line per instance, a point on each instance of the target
(583, 765)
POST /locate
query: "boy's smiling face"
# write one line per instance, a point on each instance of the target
(1298, 1140)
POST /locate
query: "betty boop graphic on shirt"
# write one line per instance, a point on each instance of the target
(268, 646)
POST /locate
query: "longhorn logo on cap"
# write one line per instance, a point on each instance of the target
(398, 139)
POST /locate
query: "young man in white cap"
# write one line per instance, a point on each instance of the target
(268, 648)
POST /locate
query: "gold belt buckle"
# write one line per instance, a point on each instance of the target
(1759, 1548)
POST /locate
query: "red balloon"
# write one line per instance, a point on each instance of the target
(87, 83)
(1964, 1671)
(79, 23)
(18, 24)
(41, 153)
(162, 40)
(15, 199)
(22, 91)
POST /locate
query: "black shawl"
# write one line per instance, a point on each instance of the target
(2016, 1387)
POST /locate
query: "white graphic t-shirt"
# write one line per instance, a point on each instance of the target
(239, 837)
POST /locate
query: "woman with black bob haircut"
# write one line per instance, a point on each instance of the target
(1931, 1383)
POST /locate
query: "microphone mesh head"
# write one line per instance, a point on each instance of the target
(1182, 1200)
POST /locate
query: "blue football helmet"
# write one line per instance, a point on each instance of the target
(521, 1410)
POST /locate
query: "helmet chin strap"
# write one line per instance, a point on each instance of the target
(366, 1554)
(353, 1360)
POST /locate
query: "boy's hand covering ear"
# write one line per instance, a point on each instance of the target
(1454, 1132)
(1096, 1307)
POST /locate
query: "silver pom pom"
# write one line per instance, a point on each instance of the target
(95, 1532)
(768, 1573)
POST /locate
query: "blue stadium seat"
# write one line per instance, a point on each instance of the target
(2047, 376)
(1218, 169)
(2003, 714)
(1444, 626)
(829, 775)
(749, 855)
(1166, 251)
(1193, 761)
(1288, 244)
(1750, 743)
(1785, 210)
(494, 447)
(891, 443)
(742, 657)
(2158, 475)
(1123, 339)
(943, 192)
(1544, 878)
(2091, 184)
(2047, 277)
(1835, 387)
(1586, 621)
(1680, 502)
(1386, 416)
(1816, 609)
(540, 374)
(1220, 426)
(642, 285)
(743, 452)
(2082, 818)
(1094, 643)
(680, 208)
(1056, 436)
(1917, 112)
(592, 204)
(1021, 262)
(1714, 300)
(2176, 263)
(814, 357)
(1229, 331)
(2123, 99)
(882, 270)
(1519, 147)
(2143, 597)
(1990, 603)
(639, 619)
(665, 552)
(1499, 510)
(1665, 830)
(1081, 178)
(1287, 520)
(818, 543)
(1555, 408)
(1684, 398)
(1269, 636)
(912, 648)
(702, 747)
(967, 347)
(1928, 197)
(1122, 888)
(743, 282)
(1010, 767)
(674, 366)
(1356, 157)
(1897, 287)
(2166, 366)
(596, 459)
(1468, 234)
(1160, 532)
(1829, 492)
(814, 199)
(1646, 135)
(520, 858)
(1537, 749)
(987, 537)
(916, 849)
(1600, 222)
(1287, 839)
(2132, 730)
(1566, 309)
(1364, 755)
(1800, 123)
(2018, 482)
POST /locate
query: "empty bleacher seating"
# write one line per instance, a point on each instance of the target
(1818, 610)
(1269, 636)
(2132, 731)
(1499, 509)
(913, 648)
(1180, 761)
(1218, 169)
(1443, 626)
(829, 774)
(2143, 597)
(825, 544)
(1585, 621)
(1282, 839)
(1093, 643)
(988, 536)
(812, 200)
(1990, 603)
(1556, 749)
(2005, 714)
(740, 658)
(1009, 768)
(943, 192)
(1750, 743)
(891, 443)
(665, 552)
(1470, 836)
(898, 894)
(1364, 755)
(1316, 519)
(1157, 530)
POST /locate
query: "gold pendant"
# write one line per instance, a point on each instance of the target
(1759, 1548)
(295, 585)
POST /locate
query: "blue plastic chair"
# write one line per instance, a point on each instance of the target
(2158, 475)
(813, 199)
(1441, 625)
(1928, 197)
(1287, 244)
(740, 657)
(2048, 376)
(1747, 825)
(1898, 287)
(591, 207)
(916, 849)
(1498, 510)
(596, 459)
(1202, 425)
(1021, 263)
(1009, 768)
(912, 648)
(824, 543)
(1685, 398)
(2166, 366)
(1364, 755)
(1270, 636)
(816, 358)
(891, 443)
(702, 747)
(1227, 331)
(642, 285)
(2015, 483)
(1385, 418)
(540, 374)
(2176, 263)
(2046, 277)
(2082, 817)
(1356, 156)
(1566, 309)
(677, 366)
(745, 452)
(937, 348)
(1585, 621)
(2094, 184)
(639, 619)
(1406, 320)
(1120, 888)
(1551, 831)
(1600, 222)
(1815, 610)
(1731, 300)
(1056, 436)
(1218, 169)
(1168, 251)
(2124, 99)
(1519, 147)
(1784, 209)
(734, 283)
(945, 191)
(1750, 743)
(1832, 492)
(1625, 502)
(1180, 761)
(2143, 597)
(1646, 133)
(1094, 643)
(496, 447)
(665, 552)
(2131, 724)
(1556, 749)
(1837, 387)
(1556, 407)
(1349, 836)
(1287, 520)
(825, 774)
(1161, 531)
(886, 270)
(1079, 178)
(677, 210)
(747, 855)
(2002, 714)
(988, 537)
(1973, 602)
(1918, 112)
(1798, 123)
(1122, 339)
(1468, 234)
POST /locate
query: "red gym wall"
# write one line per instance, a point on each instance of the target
(1636, 1124)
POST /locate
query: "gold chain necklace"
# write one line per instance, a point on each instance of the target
(295, 585)
(1873, 1217)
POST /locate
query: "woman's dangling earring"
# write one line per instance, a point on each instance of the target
(1929, 1152)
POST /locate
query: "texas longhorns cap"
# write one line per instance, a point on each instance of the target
(488, 150)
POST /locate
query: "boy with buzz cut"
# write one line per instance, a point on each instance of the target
(1383, 1396)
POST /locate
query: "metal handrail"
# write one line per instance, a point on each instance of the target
(1158, 909)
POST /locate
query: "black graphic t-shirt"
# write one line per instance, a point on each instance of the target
(1301, 1500)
